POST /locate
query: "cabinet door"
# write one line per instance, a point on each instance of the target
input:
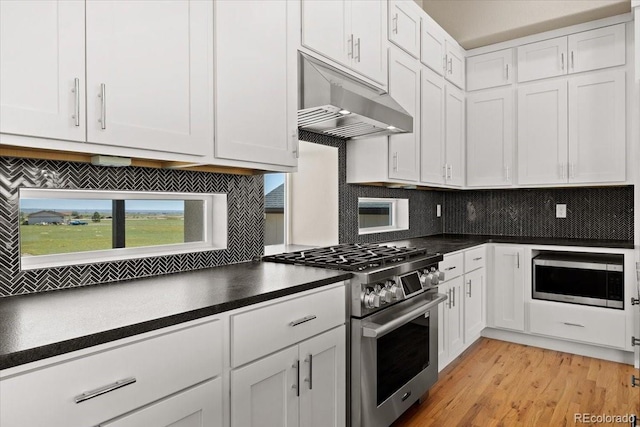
(150, 75)
(432, 46)
(454, 136)
(490, 138)
(323, 380)
(404, 87)
(200, 406)
(597, 128)
(42, 69)
(443, 327)
(368, 26)
(263, 393)
(542, 133)
(256, 78)
(543, 59)
(432, 125)
(455, 323)
(455, 71)
(601, 48)
(404, 26)
(490, 70)
(325, 29)
(508, 284)
(474, 306)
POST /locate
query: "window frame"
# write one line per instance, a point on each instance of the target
(214, 233)
(399, 215)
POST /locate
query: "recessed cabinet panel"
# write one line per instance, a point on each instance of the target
(542, 59)
(432, 123)
(542, 133)
(490, 138)
(508, 287)
(490, 70)
(454, 136)
(150, 89)
(42, 69)
(591, 50)
(325, 29)
(474, 307)
(597, 110)
(256, 78)
(404, 87)
(404, 26)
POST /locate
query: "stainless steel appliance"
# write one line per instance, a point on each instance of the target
(588, 279)
(393, 343)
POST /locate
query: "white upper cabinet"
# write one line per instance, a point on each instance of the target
(455, 67)
(404, 25)
(542, 59)
(432, 45)
(597, 137)
(256, 81)
(586, 51)
(150, 75)
(542, 133)
(601, 48)
(352, 33)
(42, 69)
(432, 120)
(404, 87)
(490, 138)
(490, 70)
(454, 136)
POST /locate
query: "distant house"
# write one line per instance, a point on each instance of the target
(45, 217)
(274, 212)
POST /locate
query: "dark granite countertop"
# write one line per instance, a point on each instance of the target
(447, 243)
(37, 326)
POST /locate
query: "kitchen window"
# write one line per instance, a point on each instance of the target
(378, 215)
(67, 227)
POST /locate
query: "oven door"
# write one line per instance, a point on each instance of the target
(394, 359)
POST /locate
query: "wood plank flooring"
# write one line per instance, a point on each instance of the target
(496, 383)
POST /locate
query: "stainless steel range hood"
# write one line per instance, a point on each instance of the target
(335, 104)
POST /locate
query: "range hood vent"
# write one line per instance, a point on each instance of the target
(334, 104)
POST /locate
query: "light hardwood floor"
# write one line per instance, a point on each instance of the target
(496, 383)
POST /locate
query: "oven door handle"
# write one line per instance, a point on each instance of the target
(374, 330)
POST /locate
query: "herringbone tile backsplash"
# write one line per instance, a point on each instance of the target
(245, 218)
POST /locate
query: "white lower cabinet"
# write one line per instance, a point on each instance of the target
(474, 304)
(303, 385)
(508, 287)
(200, 406)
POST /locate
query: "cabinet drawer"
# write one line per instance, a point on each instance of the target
(452, 266)
(261, 331)
(474, 259)
(161, 365)
(578, 323)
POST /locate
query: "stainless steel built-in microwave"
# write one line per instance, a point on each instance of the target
(588, 279)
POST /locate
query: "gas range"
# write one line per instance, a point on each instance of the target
(383, 275)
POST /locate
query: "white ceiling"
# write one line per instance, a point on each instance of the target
(475, 23)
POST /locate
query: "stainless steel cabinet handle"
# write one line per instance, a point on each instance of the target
(395, 161)
(76, 108)
(518, 260)
(444, 171)
(477, 259)
(105, 389)
(350, 46)
(450, 66)
(103, 101)
(450, 299)
(310, 379)
(454, 296)
(469, 292)
(296, 386)
(450, 268)
(562, 61)
(303, 320)
(508, 173)
(444, 63)
(507, 67)
(573, 324)
(395, 24)
(572, 64)
(358, 48)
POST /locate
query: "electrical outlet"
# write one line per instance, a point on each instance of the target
(561, 211)
(438, 211)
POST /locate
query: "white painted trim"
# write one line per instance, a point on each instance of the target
(605, 22)
(214, 233)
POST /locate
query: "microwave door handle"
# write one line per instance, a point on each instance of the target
(374, 330)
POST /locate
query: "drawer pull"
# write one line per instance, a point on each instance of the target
(450, 268)
(477, 259)
(103, 390)
(303, 320)
(573, 324)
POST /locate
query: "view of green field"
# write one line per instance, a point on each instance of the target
(139, 231)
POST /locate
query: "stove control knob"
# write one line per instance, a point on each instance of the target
(385, 296)
(371, 300)
(396, 292)
(434, 277)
